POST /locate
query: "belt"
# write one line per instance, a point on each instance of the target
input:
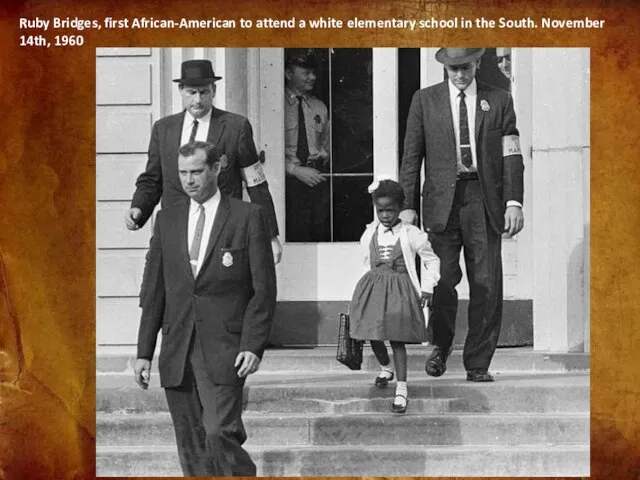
(466, 176)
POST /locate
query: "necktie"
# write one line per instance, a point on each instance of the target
(194, 251)
(194, 129)
(303, 145)
(465, 144)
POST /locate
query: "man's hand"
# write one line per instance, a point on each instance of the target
(309, 176)
(248, 363)
(142, 372)
(131, 218)
(276, 246)
(409, 217)
(513, 220)
(426, 299)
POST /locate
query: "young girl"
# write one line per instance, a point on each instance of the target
(388, 300)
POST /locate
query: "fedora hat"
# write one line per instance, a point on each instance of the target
(197, 72)
(458, 56)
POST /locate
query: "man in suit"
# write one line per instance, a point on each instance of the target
(503, 56)
(209, 285)
(466, 133)
(200, 120)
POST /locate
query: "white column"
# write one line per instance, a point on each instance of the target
(253, 91)
(560, 197)
(385, 108)
(177, 57)
(266, 101)
(522, 91)
(219, 67)
(431, 71)
(235, 80)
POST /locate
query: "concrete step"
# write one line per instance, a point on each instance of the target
(365, 429)
(363, 461)
(322, 359)
(322, 393)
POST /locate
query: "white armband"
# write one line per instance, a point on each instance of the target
(253, 175)
(511, 145)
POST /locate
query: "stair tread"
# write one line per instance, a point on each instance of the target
(347, 448)
(360, 379)
(106, 416)
(330, 350)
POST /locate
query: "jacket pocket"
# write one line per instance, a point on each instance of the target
(234, 327)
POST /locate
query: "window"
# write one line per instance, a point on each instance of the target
(338, 112)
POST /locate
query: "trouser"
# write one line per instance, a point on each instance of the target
(207, 422)
(468, 228)
(307, 211)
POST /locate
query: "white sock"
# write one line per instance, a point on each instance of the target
(401, 389)
(386, 371)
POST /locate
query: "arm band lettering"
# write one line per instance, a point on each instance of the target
(253, 175)
(511, 145)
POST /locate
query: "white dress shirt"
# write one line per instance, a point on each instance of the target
(210, 209)
(203, 127)
(471, 96)
(387, 240)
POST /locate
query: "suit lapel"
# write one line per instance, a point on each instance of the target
(218, 223)
(443, 107)
(182, 235)
(482, 96)
(216, 126)
(174, 134)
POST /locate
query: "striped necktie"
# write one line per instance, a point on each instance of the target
(194, 130)
(194, 251)
(465, 143)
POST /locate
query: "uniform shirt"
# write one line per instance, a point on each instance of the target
(210, 209)
(471, 96)
(317, 125)
(203, 127)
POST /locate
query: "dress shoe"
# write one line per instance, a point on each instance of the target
(383, 381)
(436, 364)
(479, 376)
(399, 408)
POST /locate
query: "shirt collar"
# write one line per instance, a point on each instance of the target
(395, 229)
(188, 118)
(209, 206)
(470, 91)
(292, 97)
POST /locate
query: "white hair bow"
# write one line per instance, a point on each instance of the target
(376, 183)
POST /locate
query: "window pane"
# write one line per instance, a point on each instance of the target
(352, 110)
(494, 72)
(337, 104)
(352, 209)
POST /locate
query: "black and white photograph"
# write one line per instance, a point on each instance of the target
(342, 262)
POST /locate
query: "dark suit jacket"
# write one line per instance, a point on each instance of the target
(430, 135)
(230, 306)
(231, 133)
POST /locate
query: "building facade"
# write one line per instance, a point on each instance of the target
(367, 92)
